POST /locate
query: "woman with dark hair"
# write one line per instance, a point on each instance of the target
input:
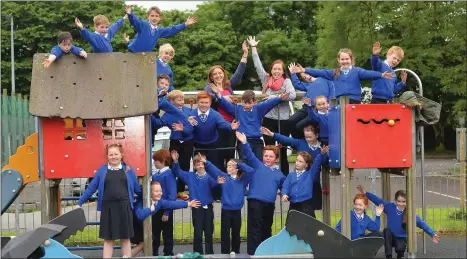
(275, 83)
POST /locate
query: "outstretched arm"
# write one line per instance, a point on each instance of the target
(262, 74)
(92, 188)
(213, 171)
(247, 153)
(134, 20)
(113, 29)
(237, 76)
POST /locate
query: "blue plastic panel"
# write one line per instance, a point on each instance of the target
(335, 137)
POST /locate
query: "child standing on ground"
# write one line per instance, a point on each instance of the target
(117, 184)
(100, 39)
(200, 185)
(148, 32)
(395, 234)
(359, 221)
(346, 77)
(383, 90)
(64, 46)
(233, 197)
(157, 204)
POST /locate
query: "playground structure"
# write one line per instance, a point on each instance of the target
(73, 131)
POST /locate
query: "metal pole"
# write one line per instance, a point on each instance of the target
(422, 153)
(13, 90)
(373, 190)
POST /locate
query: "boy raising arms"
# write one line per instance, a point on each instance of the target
(148, 32)
(383, 90)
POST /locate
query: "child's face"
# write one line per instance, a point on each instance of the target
(321, 105)
(204, 104)
(114, 156)
(248, 105)
(179, 102)
(310, 136)
(154, 18)
(158, 164)
(277, 71)
(306, 77)
(300, 164)
(344, 60)
(231, 168)
(393, 60)
(166, 56)
(163, 83)
(269, 158)
(199, 166)
(217, 76)
(401, 202)
(156, 192)
(65, 46)
(359, 206)
(101, 28)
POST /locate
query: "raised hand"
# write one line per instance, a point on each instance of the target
(325, 150)
(245, 49)
(386, 75)
(285, 198)
(241, 137)
(404, 76)
(174, 155)
(435, 238)
(307, 101)
(177, 126)
(292, 68)
(266, 131)
(379, 210)
(192, 121)
(190, 20)
(83, 54)
(361, 189)
(163, 92)
(299, 68)
(194, 204)
(235, 124)
(126, 38)
(221, 180)
(78, 23)
(215, 89)
(128, 10)
(252, 41)
(376, 49)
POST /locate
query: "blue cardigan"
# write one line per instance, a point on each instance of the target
(320, 87)
(320, 120)
(99, 43)
(142, 213)
(383, 88)
(358, 227)
(98, 184)
(58, 52)
(205, 133)
(164, 69)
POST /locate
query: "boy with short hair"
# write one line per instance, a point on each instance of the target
(103, 34)
(383, 90)
(250, 114)
(64, 46)
(166, 54)
(148, 32)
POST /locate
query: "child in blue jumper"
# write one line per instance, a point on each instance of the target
(149, 32)
(64, 46)
(100, 39)
(346, 78)
(298, 186)
(233, 197)
(117, 184)
(319, 116)
(395, 234)
(313, 87)
(359, 221)
(262, 193)
(250, 115)
(200, 185)
(384, 90)
(157, 204)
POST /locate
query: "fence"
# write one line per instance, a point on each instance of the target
(17, 124)
(443, 212)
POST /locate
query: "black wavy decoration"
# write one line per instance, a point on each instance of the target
(375, 121)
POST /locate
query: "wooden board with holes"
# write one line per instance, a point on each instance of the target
(74, 148)
(378, 136)
(104, 85)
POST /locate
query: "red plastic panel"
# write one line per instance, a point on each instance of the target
(371, 140)
(84, 151)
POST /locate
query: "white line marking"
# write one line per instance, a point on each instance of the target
(445, 195)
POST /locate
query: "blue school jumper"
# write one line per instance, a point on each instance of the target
(383, 88)
(359, 226)
(205, 132)
(164, 69)
(395, 217)
(320, 120)
(99, 43)
(146, 38)
(320, 87)
(143, 213)
(168, 184)
(347, 84)
(297, 144)
(169, 118)
(199, 186)
(58, 52)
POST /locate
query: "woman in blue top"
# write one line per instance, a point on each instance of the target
(395, 234)
(117, 185)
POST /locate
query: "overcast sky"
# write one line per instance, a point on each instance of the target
(167, 5)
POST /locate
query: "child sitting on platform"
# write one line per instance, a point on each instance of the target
(64, 46)
(318, 116)
(157, 204)
(359, 221)
(395, 234)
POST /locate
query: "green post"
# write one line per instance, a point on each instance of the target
(13, 125)
(19, 107)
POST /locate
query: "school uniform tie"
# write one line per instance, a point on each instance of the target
(203, 117)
